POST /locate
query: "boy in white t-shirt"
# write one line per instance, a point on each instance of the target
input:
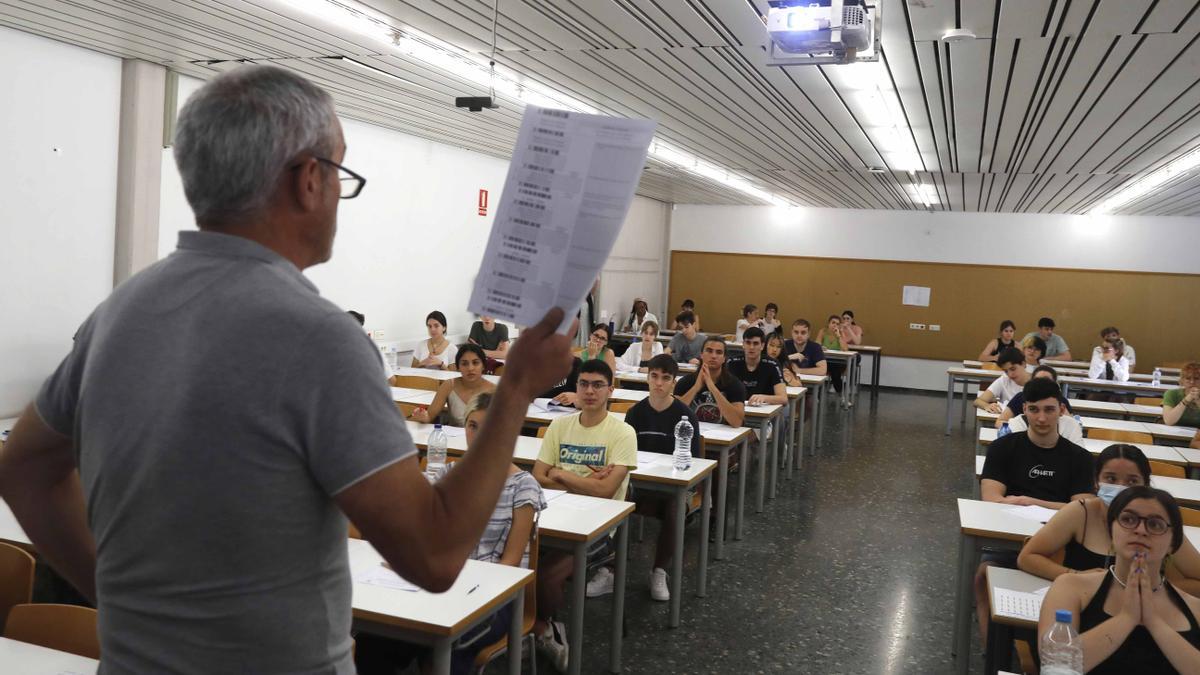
(1008, 385)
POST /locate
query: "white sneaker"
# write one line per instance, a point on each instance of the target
(601, 584)
(658, 585)
(553, 644)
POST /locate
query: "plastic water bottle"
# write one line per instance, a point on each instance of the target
(1157, 377)
(1062, 648)
(683, 444)
(435, 454)
(1004, 430)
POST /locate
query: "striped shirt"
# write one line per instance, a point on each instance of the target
(520, 489)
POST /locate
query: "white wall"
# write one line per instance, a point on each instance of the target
(413, 240)
(637, 265)
(1146, 244)
(58, 194)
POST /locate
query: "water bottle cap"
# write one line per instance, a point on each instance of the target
(1062, 616)
(436, 426)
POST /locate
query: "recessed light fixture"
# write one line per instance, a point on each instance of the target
(876, 169)
(958, 35)
(1140, 187)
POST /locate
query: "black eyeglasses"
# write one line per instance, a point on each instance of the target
(1154, 524)
(351, 183)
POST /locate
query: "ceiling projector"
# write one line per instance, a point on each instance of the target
(837, 28)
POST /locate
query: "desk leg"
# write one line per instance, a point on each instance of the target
(702, 563)
(967, 555)
(777, 432)
(722, 492)
(820, 420)
(575, 628)
(966, 386)
(619, 594)
(743, 469)
(680, 499)
(799, 463)
(949, 400)
(441, 657)
(785, 431)
(763, 441)
(514, 632)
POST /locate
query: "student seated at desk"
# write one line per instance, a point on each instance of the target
(749, 318)
(685, 345)
(635, 357)
(802, 355)
(1111, 333)
(1004, 388)
(712, 392)
(686, 306)
(1130, 617)
(770, 320)
(638, 316)
(1016, 405)
(592, 454)
(597, 348)
(1034, 349)
(1109, 363)
(565, 392)
(654, 419)
(833, 337)
(1078, 528)
(774, 352)
(456, 394)
(1182, 405)
(852, 331)
(761, 377)
(1037, 467)
(491, 336)
(436, 352)
(505, 541)
(1056, 346)
(1004, 340)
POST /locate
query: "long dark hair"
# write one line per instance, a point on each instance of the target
(1146, 492)
(1124, 451)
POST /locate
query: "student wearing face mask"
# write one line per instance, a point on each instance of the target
(1078, 528)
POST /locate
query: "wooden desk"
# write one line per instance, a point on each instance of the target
(22, 658)
(1158, 453)
(439, 375)
(1143, 388)
(760, 417)
(850, 360)
(1000, 633)
(966, 376)
(876, 353)
(573, 526)
(438, 619)
(654, 472)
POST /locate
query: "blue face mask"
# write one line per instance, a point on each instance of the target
(1108, 492)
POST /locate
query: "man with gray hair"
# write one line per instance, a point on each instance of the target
(188, 464)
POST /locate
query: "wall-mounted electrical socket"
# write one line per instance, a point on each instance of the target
(916, 326)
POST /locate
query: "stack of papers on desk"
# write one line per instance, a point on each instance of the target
(378, 575)
(548, 406)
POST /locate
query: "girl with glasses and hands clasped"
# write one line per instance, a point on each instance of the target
(1130, 616)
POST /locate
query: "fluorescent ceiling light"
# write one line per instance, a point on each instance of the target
(878, 107)
(926, 193)
(465, 65)
(1141, 187)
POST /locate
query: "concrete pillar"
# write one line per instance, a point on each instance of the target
(139, 166)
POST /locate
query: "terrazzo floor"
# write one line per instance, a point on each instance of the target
(850, 569)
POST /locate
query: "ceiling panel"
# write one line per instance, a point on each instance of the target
(1054, 106)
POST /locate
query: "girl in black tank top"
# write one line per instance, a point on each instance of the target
(1139, 653)
(1001, 346)
(1078, 557)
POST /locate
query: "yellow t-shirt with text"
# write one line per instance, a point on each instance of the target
(573, 447)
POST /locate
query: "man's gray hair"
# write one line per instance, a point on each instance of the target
(237, 134)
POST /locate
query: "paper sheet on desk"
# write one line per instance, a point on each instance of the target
(545, 405)
(378, 575)
(1035, 513)
(1019, 604)
(569, 186)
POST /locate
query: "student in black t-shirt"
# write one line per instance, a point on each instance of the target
(654, 419)
(1037, 467)
(761, 376)
(714, 394)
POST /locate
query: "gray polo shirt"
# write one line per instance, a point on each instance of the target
(685, 350)
(218, 403)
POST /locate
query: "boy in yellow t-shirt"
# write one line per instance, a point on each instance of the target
(590, 454)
